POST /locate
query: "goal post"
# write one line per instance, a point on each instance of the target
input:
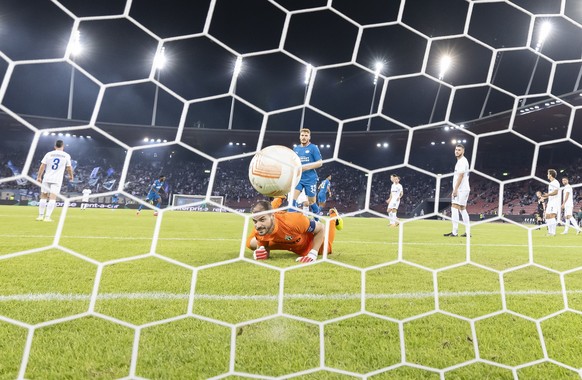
(184, 199)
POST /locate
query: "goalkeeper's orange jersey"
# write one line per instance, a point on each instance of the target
(293, 232)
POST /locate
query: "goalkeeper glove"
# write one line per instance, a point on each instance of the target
(261, 253)
(309, 258)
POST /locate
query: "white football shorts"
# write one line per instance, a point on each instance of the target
(568, 210)
(393, 204)
(51, 188)
(461, 198)
(553, 207)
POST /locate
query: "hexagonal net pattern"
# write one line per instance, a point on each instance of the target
(181, 296)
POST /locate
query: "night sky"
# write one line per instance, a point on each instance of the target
(492, 46)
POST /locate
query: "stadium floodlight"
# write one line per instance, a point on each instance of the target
(308, 71)
(75, 49)
(235, 73)
(75, 44)
(306, 81)
(159, 63)
(378, 67)
(145, 139)
(444, 65)
(237, 67)
(160, 59)
(544, 33)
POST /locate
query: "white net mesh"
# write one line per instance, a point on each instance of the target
(180, 296)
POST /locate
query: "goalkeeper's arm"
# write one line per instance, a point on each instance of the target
(318, 239)
(318, 236)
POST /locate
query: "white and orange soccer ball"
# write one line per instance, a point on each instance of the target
(275, 170)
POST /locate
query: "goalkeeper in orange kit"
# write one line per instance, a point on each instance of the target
(288, 231)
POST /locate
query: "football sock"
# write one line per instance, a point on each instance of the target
(466, 220)
(573, 222)
(50, 207)
(455, 215)
(551, 226)
(41, 207)
(314, 208)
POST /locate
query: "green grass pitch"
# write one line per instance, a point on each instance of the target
(108, 294)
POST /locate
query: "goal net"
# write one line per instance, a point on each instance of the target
(190, 91)
(182, 200)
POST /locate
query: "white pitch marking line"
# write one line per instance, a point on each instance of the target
(224, 297)
(238, 240)
(115, 237)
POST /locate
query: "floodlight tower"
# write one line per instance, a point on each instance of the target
(75, 49)
(378, 70)
(545, 30)
(159, 63)
(444, 65)
(308, 71)
(496, 65)
(235, 73)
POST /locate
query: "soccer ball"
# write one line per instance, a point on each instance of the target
(275, 171)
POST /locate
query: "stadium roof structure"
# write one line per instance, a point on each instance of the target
(544, 120)
(511, 55)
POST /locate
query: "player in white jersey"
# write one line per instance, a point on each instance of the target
(396, 193)
(53, 167)
(85, 199)
(460, 193)
(553, 206)
(568, 206)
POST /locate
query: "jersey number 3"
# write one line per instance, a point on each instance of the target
(55, 164)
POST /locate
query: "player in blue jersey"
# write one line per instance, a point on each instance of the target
(154, 194)
(324, 192)
(310, 160)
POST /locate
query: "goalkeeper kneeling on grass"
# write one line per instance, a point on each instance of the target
(289, 231)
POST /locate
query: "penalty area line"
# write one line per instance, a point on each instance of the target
(337, 242)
